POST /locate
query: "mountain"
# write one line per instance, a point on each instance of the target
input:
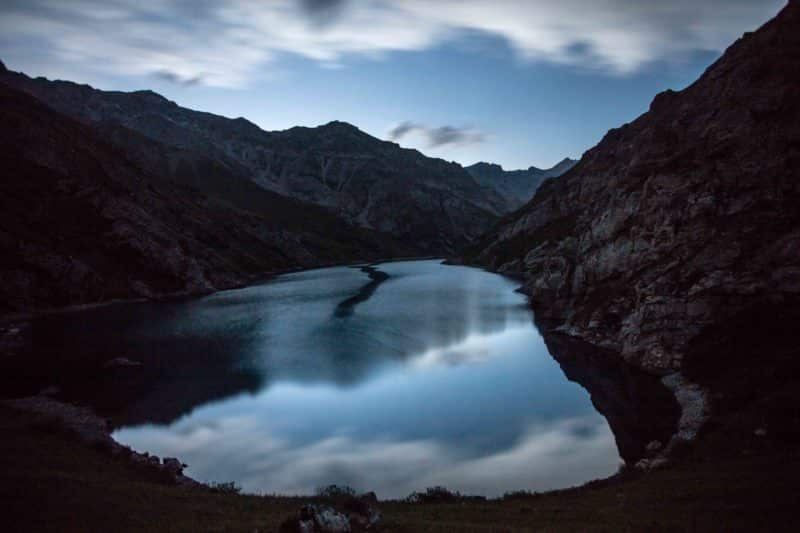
(675, 242)
(515, 186)
(81, 222)
(430, 205)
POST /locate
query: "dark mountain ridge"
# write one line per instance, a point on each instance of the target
(433, 206)
(81, 222)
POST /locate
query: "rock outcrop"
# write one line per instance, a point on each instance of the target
(351, 514)
(432, 206)
(516, 186)
(675, 222)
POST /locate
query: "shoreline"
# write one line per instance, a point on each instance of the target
(645, 487)
(693, 400)
(257, 279)
(40, 403)
(94, 432)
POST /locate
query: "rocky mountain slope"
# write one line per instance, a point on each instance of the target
(431, 205)
(516, 186)
(677, 222)
(82, 223)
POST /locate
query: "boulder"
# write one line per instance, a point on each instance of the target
(317, 519)
(363, 511)
(654, 446)
(354, 514)
(173, 466)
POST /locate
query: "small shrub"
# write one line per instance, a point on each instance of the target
(336, 492)
(519, 495)
(435, 495)
(229, 487)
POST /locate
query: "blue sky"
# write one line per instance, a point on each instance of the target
(517, 82)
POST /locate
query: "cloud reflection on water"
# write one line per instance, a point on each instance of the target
(558, 454)
(475, 348)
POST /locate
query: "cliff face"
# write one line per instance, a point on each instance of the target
(677, 221)
(515, 186)
(81, 223)
(433, 206)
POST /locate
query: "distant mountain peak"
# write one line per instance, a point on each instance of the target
(339, 125)
(487, 166)
(373, 185)
(516, 186)
(152, 96)
(2, 66)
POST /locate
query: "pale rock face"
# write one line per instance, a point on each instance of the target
(677, 220)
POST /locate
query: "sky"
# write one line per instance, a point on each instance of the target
(515, 82)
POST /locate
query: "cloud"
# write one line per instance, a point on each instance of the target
(400, 131)
(229, 43)
(172, 77)
(436, 137)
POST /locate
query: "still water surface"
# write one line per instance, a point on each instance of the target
(433, 376)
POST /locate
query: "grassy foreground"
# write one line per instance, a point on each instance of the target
(51, 482)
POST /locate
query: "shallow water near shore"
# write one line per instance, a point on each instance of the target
(423, 375)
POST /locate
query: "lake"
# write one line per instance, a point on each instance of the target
(391, 378)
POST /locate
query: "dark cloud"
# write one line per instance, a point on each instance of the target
(399, 131)
(321, 5)
(451, 135)
(227, 44)
(323, 11)
(435, 137)
(172, 77)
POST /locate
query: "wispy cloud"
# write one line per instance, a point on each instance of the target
(172, 77)
(439, 136)
(228, 43)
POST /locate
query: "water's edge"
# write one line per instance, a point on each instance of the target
(256, 279)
